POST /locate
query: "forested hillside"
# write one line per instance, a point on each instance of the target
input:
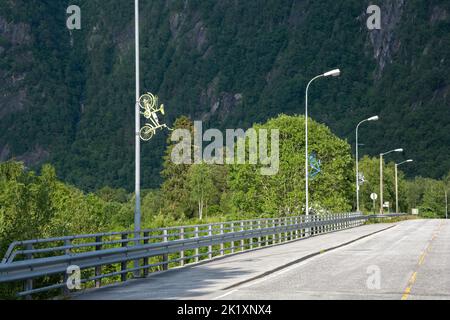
(67, 97)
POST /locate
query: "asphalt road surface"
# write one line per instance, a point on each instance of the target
(409, 260)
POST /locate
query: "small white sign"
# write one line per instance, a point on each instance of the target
(386, 205)
(374, 196)
(415, 212)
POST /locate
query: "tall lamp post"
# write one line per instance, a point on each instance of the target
(446, 204)
(332, 73)
(375, 118)
(396, 182)
(381, 177)
(137, 210)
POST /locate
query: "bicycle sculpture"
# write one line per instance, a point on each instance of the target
(149, 103)
(315, 166)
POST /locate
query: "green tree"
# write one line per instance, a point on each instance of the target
(201, 186)
(284, 193)
(433, 203)
(152, 205)
(113, 195)
(370, 168)
(175, 188)
(25, 202)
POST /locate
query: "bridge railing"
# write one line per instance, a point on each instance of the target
(120, 256)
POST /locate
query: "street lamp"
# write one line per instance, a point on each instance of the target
(375, 118)
(446, 204)
(332, 73)
(396, 182)
(137, 210)
(381, 176)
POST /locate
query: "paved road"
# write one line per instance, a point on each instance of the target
(410, 260)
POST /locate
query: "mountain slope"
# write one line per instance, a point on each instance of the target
(67, 97)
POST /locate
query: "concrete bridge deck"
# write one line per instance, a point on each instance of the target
(406, 260)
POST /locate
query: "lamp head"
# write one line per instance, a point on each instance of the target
(410, 160)
(332, 73)
(398, 150)
(375, 118)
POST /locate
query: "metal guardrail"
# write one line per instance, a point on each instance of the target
(111, 255)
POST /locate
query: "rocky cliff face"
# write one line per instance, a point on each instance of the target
(14, 40)
(385, 42)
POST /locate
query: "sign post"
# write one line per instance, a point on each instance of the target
(374, 198)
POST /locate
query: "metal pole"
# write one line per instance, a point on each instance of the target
(306, 155)
(137, 211)
(381, 184)
(307, 146)
(396, 183)
(396, 188)
(357, 170)
(446, 204)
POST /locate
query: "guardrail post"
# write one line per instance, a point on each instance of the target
(232, 242)
(292, 224)
(98, 269)
(182, 252)
(222, 246)
(251, 229)
(197, 252)
(280, 234)
(242, 241)
(310, 230)
(321, 226)
(318, 226)
(301, 227)
(288, 226)
(145, 261)
(210, 248)
(123, 264)
(259, 238)
(65, 289)
(274, 235)
(267, 236)
(165, 256)
(29, 282)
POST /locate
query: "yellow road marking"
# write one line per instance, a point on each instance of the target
(411, 282)
(413, 278)
(422, 259)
